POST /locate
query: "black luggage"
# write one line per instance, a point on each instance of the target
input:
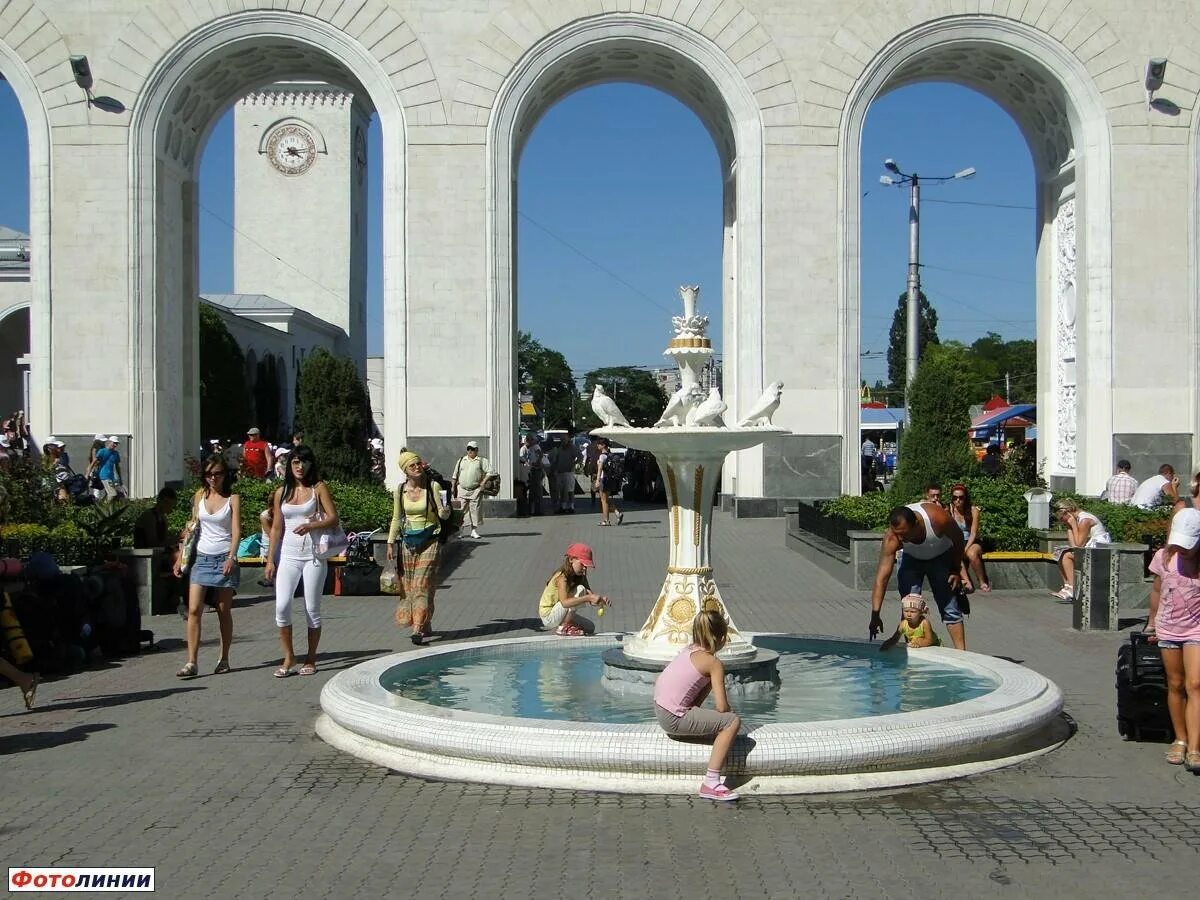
(1142, 691)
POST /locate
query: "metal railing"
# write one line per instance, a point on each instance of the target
(834, 529)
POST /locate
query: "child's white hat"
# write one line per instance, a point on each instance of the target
(914, 601)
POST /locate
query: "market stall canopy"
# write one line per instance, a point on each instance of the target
(886, 419)
(1018, 416)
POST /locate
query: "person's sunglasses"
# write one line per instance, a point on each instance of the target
(958, 496)
(215, 473)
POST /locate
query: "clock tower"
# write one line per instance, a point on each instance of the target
(300, 157)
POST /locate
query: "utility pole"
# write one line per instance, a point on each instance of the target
(912, 346)
(1007, 390)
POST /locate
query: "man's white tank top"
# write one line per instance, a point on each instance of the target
(934, 545)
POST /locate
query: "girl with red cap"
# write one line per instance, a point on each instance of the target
(566, 591)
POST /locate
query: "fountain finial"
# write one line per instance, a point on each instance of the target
(690, 324)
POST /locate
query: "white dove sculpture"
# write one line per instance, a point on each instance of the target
(676, 409)
(709, 412)
(764, 407)
(606, 410)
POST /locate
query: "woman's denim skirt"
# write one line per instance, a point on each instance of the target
(207, 571)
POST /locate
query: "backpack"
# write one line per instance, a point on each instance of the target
(254, 458)
(614, 473)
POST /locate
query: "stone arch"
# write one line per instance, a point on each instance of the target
(689, 66)
(195, 78)
(728, 26)
(35, 62)
(1063, 113)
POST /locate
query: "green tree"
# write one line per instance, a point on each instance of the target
(636, 391)
(266, 399)
(998, 358)
(333, 412)
(897, 352)
(545, 375)
(224, 405)
(935, 446)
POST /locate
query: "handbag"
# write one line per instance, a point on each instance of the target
(187, 544)
(328, 542)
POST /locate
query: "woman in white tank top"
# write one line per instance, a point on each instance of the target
(214, 573)
(1083, 530)
(301, 505)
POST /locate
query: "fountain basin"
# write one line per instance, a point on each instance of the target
(1015, 720)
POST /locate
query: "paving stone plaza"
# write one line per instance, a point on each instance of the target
(221, 785)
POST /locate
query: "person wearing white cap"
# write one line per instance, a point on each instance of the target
(1174, 622)
(257, 459)
(98, 443)
(107, 467)
(467, 483)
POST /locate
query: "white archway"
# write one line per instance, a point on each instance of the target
(1070, 143)
(183, 95)
(685, 64)
(37, 126)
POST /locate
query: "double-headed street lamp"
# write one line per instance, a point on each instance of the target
(913, 336)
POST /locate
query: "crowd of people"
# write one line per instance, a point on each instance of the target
(928, 540)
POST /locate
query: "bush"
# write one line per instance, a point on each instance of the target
(935, 447)
(67, 543)
(361, 507)
(870, 510)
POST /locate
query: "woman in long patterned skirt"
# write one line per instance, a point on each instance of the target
(417, 516)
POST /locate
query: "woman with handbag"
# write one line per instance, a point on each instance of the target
(302, 510)
(209, 555)
(417, 516)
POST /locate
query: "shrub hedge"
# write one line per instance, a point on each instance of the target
(1004, 514)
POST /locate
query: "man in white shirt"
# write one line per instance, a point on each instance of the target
(466, 483)
(1164, 484)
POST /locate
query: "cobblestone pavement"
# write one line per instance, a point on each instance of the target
(220, 784)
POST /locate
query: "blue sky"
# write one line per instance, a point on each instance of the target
(619, 201)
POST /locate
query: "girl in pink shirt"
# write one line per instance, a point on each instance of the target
(682, 687)
(1175, 623)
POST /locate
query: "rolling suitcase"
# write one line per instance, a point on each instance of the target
(1142, 692)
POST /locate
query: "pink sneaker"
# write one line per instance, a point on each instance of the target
(720, 792)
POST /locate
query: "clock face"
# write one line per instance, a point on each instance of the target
(360, 153)
(291, 150)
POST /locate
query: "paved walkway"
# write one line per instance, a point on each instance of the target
(220, 784)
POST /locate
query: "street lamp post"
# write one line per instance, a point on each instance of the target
(912, 343)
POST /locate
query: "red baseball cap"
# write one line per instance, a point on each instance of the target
(581, 552)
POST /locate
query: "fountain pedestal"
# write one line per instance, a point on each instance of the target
(690, 460)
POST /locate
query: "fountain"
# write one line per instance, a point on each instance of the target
(821, 714)
(690, 443)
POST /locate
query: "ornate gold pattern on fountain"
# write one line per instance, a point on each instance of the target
(697, 495)
(673, 499)
(697, 570)
(681, 343)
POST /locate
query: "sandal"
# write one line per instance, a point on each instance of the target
(602, 522)
(1176, 754)
(308, 669)
(31, 691)
(1191, 762)
(188, 671)
(284, 672)
(569, 631)
(222, 667)
(986, 587)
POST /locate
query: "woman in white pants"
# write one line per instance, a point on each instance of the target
(302, 504)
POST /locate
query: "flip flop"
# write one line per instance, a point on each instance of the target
(31, 692)
(985, 587)
(222, 667)
(283, 672)
(308, 669)
(189, 670)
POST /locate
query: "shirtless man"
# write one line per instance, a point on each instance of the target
(933, 547)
